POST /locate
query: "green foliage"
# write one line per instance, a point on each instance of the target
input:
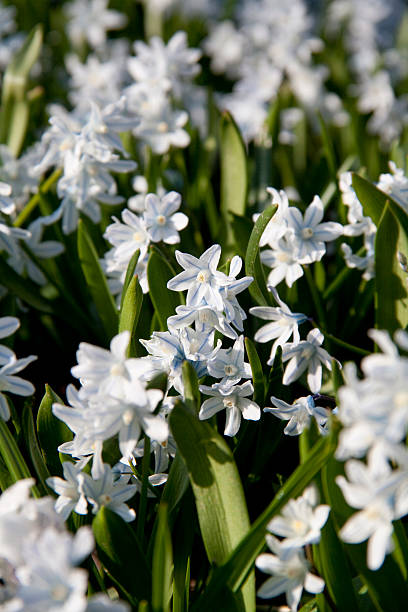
(121, 554)
(96, 282)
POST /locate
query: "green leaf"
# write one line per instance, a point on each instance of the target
(335, 569)
(159, 272)
(253, 266)
(13, 458)
(183, 535)
(130, 272)
(220, 501)
(51, 431)
(130, 312)
(176, 486)
(120, 552)
(391, 295)
(257, 372)
(236, 568)
(15, 106)
(162, 570)
(34, 449)
(234, 172)
(96, 281)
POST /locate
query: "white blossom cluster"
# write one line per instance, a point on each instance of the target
(369, 28)
(112, 401)
(299, 525)
(211, 306)
(374, 414)
(272, 43)
(39, 558)
(157, 221)
(90, 20)
(10, 366)
(162, 78)
(83, 145)
(295, 239)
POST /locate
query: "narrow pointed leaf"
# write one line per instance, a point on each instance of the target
(12, 457)
(391, 294)
(159, 272)
(36, 455)
(51, 431)
(130, 312)
(234, 172)
(162, 567)
(96, 282)
(257, 373)
(130, 272)
(253, 266)
(120, 552)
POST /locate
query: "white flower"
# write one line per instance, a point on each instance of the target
(381, 495)
(69, 495)
(161, 219)
(200, 277)
(306, 355)
(229, 365)
(290, 573)
(299, 414)
(300, 521)
(103, 371)
(168, 351)
(127, 236)
(204, 317)
(89, 20)
(284, 324)
(309, 233)
(278, 225)
(283, 259)
(234, 401)
(104, 491)
(48, 580)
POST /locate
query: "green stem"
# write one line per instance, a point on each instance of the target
(31, 205)
(340, 278)
(315, 296)
(143, 493)
(346, 345)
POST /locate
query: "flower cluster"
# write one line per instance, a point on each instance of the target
(112, 401)
(295, 239)
(157, 221)
(374, 415)
(83, 145)
(299, 525)
(162, 76)
(39, 558)
(271, 44)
